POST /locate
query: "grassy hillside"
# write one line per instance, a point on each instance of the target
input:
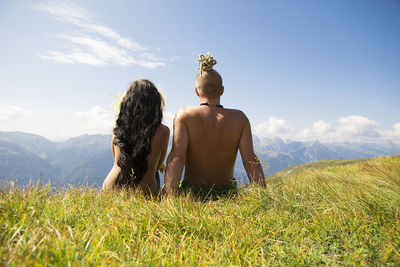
(333, 214)
(295, 170)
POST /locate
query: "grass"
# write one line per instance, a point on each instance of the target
(336, 215)
(298, 168)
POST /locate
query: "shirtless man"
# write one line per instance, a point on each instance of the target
(206, 139)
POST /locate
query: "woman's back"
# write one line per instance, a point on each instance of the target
(148, 183)
(140, 141)
(159, 146)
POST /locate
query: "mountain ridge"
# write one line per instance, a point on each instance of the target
(88, 158)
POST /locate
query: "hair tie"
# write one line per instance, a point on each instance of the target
(163, 99)
(206, 62)
(118, 103)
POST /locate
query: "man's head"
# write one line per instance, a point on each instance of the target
(209, 83)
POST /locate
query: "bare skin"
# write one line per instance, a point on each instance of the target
(159, 146)
(206, 140)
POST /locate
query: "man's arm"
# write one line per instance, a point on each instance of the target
(177, 156)
(250, 161)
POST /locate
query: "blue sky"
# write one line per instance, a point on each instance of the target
(300, 70)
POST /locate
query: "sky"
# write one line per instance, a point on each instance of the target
(301, 70)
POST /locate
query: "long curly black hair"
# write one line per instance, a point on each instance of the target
(140, 115)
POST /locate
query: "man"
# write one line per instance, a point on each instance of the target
(206, 139)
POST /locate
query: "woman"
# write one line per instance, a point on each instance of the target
(139, 141)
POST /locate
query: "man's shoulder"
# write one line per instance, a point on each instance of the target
(237, 113)
(186, 111)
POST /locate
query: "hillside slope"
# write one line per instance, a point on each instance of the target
(321, 164)
(338, 213)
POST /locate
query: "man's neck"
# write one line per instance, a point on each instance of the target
(214, 101)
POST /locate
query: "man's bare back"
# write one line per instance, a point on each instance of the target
(213, 139)
(206, 140)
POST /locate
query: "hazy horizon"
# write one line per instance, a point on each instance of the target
(262, 140)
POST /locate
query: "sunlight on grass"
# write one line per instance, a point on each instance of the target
(334, 214)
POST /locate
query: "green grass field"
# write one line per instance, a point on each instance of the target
(331, 213)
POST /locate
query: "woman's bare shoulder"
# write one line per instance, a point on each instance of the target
(162, 132)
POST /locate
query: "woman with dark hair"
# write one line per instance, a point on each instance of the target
(139, 141)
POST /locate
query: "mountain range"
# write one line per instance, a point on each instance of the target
(87, 159)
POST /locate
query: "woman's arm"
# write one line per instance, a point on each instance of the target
(112, 145)
(109, 182)
(161, 165)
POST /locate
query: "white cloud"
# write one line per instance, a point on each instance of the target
(357, 126)
(97, 120)
(273, 127)
(73, 58)
(316, 131)
(351, 129)
(392, 135)
(396, 129)
(94, 44)
(9, 113)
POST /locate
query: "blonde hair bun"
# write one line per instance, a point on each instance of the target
(206, 62)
